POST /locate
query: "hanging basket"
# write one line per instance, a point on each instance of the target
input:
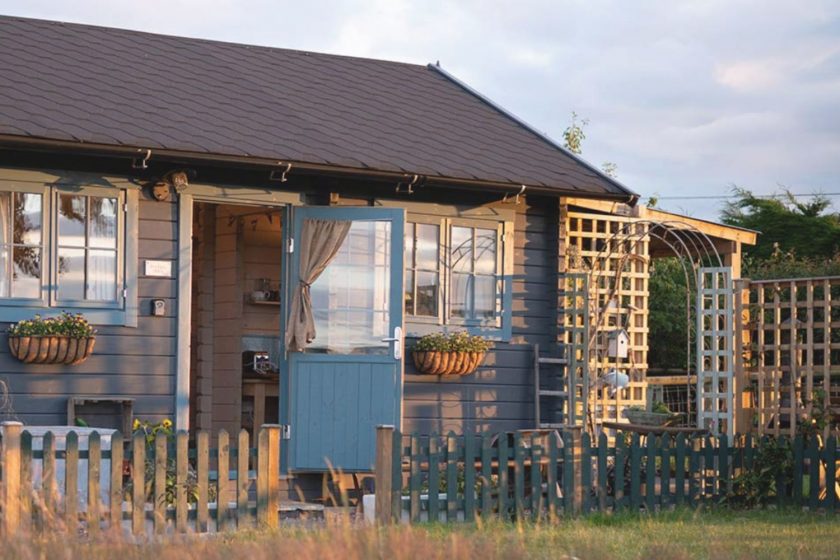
(51, 349)
(447, 363)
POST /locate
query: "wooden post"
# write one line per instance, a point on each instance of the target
(222, 480)
(116, 490)
(268, 475)
(383, 473)
(575, 441)
(741, 355)
(11, 477)
(138, 483)
(94, 470)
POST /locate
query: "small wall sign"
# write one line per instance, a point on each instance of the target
(161, 269)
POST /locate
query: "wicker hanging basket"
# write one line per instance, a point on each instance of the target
(51, 349)
(447, 363)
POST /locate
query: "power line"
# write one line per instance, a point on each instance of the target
(728, 196)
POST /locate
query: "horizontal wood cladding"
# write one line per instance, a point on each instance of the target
(131, 362)
(499, 396)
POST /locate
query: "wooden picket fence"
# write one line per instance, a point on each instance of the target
(139, 498)
(545, 476)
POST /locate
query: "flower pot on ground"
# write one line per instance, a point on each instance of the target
(457, 354)
(66, 339)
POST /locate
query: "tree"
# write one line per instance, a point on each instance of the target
(573, 138)
(802, 229)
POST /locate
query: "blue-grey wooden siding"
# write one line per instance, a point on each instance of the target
(499, 396)
(137, 363)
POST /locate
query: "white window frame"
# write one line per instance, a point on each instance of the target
(123, 311)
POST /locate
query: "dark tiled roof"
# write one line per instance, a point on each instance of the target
(109, 86)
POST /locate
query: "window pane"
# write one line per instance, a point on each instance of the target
(408, 256)
(71, 220)
(103, 222)
(428, 247)
(102, 275)
(409, 292)
(485, 251)
(350, 300)
(485, 297)
(27, 219)
(5, 285)
(26, 272)
(459, 300)
(427, 294)
(462, 249)
(71, 274)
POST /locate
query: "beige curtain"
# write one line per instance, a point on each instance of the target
(319, 244)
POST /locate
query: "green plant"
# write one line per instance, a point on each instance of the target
(74, 326)
(456, 342)
(660, 408)
(150, 431)
(769, 474)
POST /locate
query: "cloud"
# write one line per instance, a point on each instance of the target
(686, 97)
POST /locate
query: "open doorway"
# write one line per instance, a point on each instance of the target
(236, 341)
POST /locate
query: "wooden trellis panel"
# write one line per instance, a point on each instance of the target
(715, 336)
(795, 327)
(609, 246)
(574, 301)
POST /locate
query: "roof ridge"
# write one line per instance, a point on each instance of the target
(210, 41)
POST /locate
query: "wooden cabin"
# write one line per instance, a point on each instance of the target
(259, 235)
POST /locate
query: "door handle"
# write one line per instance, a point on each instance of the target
(397, 340)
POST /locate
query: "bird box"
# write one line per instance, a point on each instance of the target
(618, 344)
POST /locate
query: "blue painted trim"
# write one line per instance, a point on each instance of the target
(95, 316)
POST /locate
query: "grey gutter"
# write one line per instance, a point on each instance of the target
(112, 150)
(632, 196)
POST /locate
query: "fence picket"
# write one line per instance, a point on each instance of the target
(504, 486)
(396, 477)
(262, 478)
(619, 472)
(553, 494)
(568, 474)
(94, 469)
(586, 472)
(486, 477)
(451, 477)
(469, 476)
(813, 473)
(679, 471)
(434, 477)
(695, 477)
(242, 463)
(518, 476)
(723, 478)
(160, 476)
(650, 473)
(635, 473)
(536, 477)
(602, 472)
(830, 473)
(25, 478)
(115, 496)
(798, 474)
(181, 466)
(138, 483)
(202, 479)
(222, 479)
(665, 473)
(48, 486)
(708, 489)
(782, 492)
(414, 480)
(71, 473)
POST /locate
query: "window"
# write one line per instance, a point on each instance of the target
(422, 270)
(455, 274)
(65, 248)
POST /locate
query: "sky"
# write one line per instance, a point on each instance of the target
(686, 98)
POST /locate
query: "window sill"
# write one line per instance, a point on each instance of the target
(95, 316)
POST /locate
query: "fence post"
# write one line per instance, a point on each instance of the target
(11, 477)
(384, 472)
(577, 469)
(273, 474)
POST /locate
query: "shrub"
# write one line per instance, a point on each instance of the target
(74, 326)
(456, 342)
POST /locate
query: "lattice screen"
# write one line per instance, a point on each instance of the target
(574, 309)
(715, 334)
(795, 327)
(607, 245)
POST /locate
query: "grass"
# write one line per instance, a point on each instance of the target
(675, 535)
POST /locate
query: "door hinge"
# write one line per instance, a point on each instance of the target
(290, 248)
(286, 432)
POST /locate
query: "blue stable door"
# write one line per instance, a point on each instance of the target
(348, 379)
